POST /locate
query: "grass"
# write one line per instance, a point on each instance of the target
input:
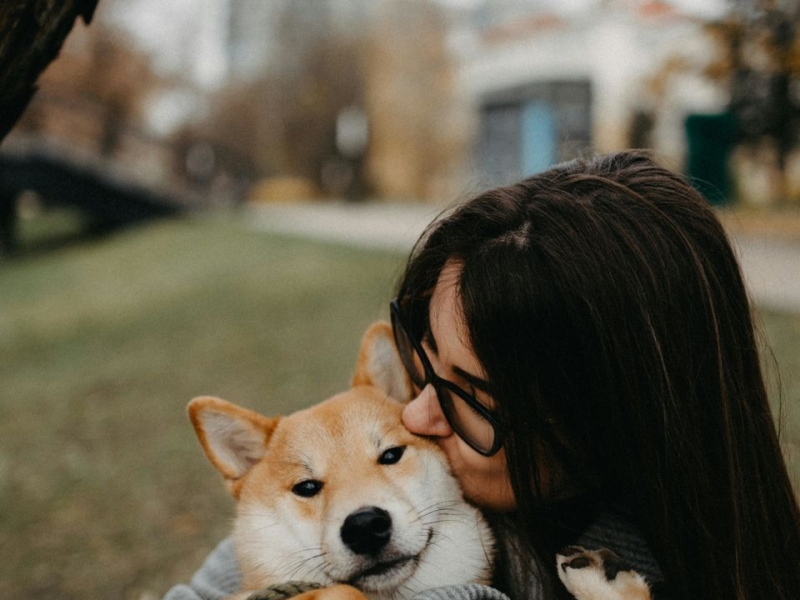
(104, 491)
(103, 487)
(781, 336)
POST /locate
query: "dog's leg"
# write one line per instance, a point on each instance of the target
(599, 575)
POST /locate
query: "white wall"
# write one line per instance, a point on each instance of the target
(617, 52)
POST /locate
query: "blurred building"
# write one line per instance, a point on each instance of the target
(546, 87)
(464, 94)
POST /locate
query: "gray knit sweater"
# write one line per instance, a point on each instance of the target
(219, 575)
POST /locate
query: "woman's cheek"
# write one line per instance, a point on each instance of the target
(484, 480)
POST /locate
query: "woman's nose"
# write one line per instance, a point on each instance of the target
(424, 416)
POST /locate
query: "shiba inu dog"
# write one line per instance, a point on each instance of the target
(342, 493)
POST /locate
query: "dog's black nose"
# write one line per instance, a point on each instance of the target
(367, 530)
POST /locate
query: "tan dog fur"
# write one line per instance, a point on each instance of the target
(437, 539)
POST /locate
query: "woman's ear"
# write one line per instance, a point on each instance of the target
(379, 364)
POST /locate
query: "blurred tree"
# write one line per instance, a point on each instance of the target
(31, 35)
(419, 133)
(96, 91)
(321, 74)
(105, 99)
(761, 63)
(285, 117)
(355, 96)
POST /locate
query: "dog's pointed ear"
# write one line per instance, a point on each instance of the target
(233, 438)
(379, 363)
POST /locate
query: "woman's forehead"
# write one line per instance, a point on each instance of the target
(447, 323)
(445, 305)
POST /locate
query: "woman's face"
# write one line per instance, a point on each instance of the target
(484, 479)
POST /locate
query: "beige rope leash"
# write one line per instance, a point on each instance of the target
(282, 591)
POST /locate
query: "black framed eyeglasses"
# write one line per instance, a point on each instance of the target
(477, 425)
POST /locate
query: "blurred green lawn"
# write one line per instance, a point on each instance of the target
(104, 491)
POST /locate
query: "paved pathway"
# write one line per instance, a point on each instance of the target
(771, 263)
(771, 267)
(376, 225)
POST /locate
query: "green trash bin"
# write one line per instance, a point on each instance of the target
(711, 138)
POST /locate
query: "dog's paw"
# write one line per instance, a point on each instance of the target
(599, 575)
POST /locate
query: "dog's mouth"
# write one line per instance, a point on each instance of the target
(381, 569)
(388, 573)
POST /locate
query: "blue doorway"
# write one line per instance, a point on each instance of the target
(539, 137)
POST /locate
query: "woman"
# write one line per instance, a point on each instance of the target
(596, 318)
(584, 354)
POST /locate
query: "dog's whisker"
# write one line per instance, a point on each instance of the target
(320, 568)
(448, 512)
(425, 511)
(434, 515)
(302, 567)
(413, 590)
(260, 529)
(402, 593)
(440, 521)
(442, 537)
(440, 505)
(376, 431)
(436, 518)
(303, 563)
(296, 556)
(260, 516)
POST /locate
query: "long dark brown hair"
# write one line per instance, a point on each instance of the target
(608, 310)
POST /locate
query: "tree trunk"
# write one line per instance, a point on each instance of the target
(31, 35)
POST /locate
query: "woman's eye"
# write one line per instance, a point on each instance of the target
(483, 399)
(392, 455)
(307, 488)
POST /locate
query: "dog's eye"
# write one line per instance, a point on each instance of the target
(307, 488)
(392, 455)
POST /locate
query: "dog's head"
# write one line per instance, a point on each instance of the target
(341, 491)
(236, 439)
